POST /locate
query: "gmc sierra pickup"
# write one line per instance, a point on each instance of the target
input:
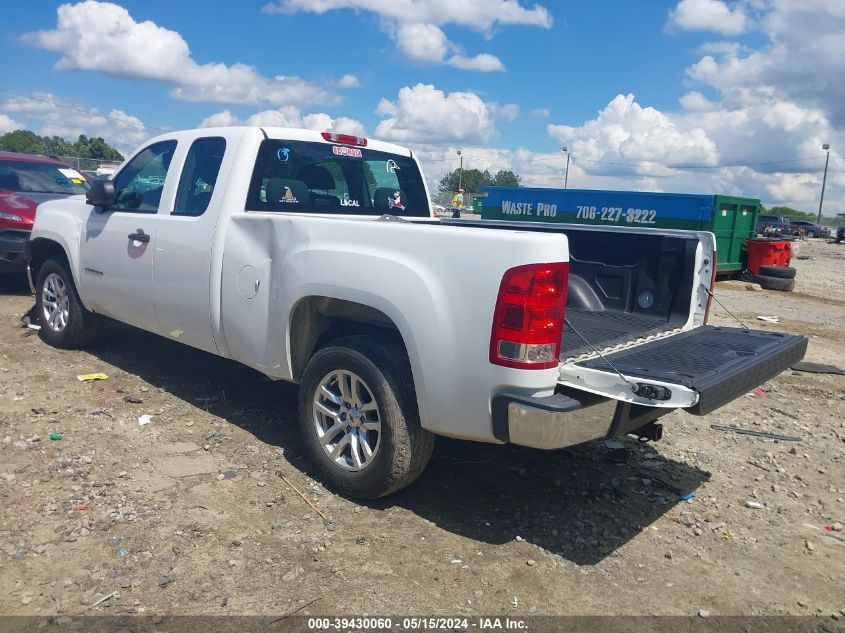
(313, 258)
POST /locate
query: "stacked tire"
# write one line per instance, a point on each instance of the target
(780, 278)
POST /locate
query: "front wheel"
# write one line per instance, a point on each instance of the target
(64, 320)
(359, 418)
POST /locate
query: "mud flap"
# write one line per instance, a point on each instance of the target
(719, 364)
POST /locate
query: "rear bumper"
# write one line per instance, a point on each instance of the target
(557, 421)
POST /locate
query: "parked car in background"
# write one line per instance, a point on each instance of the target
(840, 234)
(776, 224)
(26, 180)
(810, 229)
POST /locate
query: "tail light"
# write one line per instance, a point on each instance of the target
(528, 319)
(345, 139)
(712, 285)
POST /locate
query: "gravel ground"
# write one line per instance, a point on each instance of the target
(189, 514)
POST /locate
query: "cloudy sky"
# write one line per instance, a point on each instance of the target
(709, 96)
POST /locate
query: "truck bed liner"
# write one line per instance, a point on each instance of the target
(720, 363)
(606, 328)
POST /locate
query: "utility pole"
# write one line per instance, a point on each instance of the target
(460, 170)
(566, 174)
(824, 181)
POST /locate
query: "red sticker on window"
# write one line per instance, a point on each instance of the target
(354, 152)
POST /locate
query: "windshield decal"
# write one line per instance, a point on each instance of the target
(70, 173)
(283, 154)
(352, 152)
(391, 166)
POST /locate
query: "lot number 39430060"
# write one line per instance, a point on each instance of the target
(614, 214)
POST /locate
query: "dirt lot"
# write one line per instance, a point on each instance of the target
(188, 514)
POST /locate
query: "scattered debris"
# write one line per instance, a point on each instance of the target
(818, 368)
(297, 491)
(754, 505)
(688, 497)
(90, 377)
(769, 319)
(145, 419)
(132, 399)
(84, 506)
(104, 598)
(56, 436)
(764, 434)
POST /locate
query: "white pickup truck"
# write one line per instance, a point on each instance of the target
(314, 258)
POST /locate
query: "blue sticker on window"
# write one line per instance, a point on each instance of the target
(283, 154)
(64, 182)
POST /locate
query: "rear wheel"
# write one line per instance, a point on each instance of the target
(64, 321)
(784, 272)
(811, 234)
(775, 283)
(359, 418)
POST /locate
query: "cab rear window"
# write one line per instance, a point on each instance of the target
(306, 177)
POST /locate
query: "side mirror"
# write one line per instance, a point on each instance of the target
(101, 194)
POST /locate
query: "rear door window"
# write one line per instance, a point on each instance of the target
(199, 176)
(308, 177)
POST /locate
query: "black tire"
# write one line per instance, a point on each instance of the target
(82, 326)
(404, 446)
(810, 234)
(783, 272)
(775, 283)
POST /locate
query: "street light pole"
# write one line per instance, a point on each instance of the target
(460, 170)
(824, 181)
(566, 174)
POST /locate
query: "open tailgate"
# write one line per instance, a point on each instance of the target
(704, 368)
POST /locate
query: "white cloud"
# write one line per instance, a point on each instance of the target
(101, 36)
(483, 62)
(424, 114)
(478, 14)
(422, 42)
(349, 81)
(508, 111)
(414, 25)
(288, 116)
(708, 15)
(8, 124)
(802, 60)
(48, 115)
(541, 113)
(695, 101)
(625, 132)
(765, 147)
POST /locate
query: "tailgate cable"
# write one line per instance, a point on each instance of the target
(643, 390)
(710, 292)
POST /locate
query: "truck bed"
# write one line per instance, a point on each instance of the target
(605, 329)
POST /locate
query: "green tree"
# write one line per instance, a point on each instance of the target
(29, 142)
(793, 214)
(473, 179)
(22, 141)
(95, 148)
(506, 178)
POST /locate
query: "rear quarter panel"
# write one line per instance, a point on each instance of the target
(438, 284)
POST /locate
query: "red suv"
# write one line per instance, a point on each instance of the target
(26, 180)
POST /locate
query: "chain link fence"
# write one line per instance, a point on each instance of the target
(87, 164)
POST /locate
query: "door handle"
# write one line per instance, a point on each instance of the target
(139, 236)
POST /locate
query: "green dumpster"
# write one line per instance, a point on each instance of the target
(731, 219)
